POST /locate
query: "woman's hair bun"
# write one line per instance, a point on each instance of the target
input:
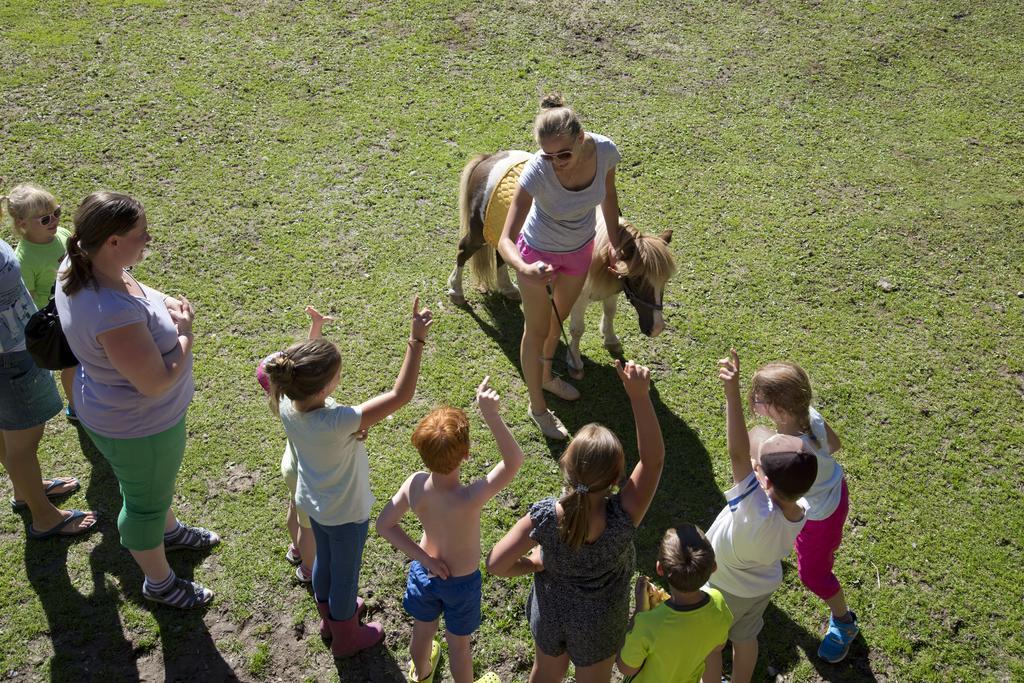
(552, 100)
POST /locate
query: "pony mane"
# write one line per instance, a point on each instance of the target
(653, 261)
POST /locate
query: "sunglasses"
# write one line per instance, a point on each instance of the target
(55, 216)
(561, 156)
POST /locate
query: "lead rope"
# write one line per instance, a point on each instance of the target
(554, 308)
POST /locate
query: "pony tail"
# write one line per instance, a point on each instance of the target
(572, 528)
(805, 425)
(79, 272)
(281, 371)
(591, 465)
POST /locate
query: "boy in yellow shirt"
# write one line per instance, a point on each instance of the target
(669, 643)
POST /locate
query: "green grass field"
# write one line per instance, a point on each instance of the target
(309, 152)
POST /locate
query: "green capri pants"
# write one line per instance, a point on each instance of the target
(146, 470)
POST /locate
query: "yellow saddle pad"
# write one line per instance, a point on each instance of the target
(499, 203)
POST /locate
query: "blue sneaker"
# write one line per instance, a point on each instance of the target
(70, 414)
(836, 643)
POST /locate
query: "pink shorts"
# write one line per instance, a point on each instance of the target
(816, 547)
(568, 262)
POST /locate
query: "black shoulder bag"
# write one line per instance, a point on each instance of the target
(45, 340)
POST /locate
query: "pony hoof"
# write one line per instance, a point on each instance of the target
(614, 349)
(456, 298)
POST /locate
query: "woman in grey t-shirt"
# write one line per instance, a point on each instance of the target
(134, 384)
(548, 238)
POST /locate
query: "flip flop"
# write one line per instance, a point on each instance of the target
(59, 529)
(55, 482)
(435, 654)
(489, 677)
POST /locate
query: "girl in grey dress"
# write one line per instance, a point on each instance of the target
(581, 545)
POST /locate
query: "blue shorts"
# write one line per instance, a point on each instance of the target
(427, 596)
(28, 394)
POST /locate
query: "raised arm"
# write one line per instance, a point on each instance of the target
(390, 529)
(134, 354)
(736, 428)
(316, 322)
(379, 407)
(504, 472)
(643, 481)
(509, 555)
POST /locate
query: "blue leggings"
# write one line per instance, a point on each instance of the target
(339, 554)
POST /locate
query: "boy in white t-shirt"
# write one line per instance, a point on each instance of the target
(756, 529)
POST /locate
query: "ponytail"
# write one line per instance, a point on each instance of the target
(301, 371)
(592, 464)
(572, 528)
(79, 271)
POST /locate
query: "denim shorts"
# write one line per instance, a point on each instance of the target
(28, 394)
(427, 596)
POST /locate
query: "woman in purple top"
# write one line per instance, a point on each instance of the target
(134, 383)
(28, 398)
(548, 238)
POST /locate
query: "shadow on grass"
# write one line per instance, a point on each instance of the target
(376, 665)
(782, 641)
(687, 492)
(88, 637)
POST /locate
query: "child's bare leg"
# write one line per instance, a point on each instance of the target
(306, 546)
(293, 524)
(67, 378)
(713, 667)
(744, 659)
(548, 669)
(757, 435)
(837, 603)
(423, 633)
(460, 657)
(596, 673)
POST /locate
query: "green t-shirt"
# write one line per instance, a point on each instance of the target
(39, 264)
(671, 642)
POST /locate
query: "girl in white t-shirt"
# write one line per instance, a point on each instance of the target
(302, 549)
(333, 485)
(782, 392)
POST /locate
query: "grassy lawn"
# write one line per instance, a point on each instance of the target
(309, 152)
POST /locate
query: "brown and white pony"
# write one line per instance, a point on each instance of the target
(644, 267)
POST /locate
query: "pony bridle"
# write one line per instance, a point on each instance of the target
(631, 295)
(635, 299)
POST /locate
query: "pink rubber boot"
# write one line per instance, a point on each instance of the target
(325, 615)
(349, 636)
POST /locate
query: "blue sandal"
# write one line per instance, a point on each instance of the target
(56, 482)
(59, 530)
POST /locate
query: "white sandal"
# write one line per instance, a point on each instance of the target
(562, 389)
(550, 425)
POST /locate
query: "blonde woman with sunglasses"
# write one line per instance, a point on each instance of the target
(548, 238)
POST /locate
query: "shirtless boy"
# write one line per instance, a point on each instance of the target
(445, 572)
